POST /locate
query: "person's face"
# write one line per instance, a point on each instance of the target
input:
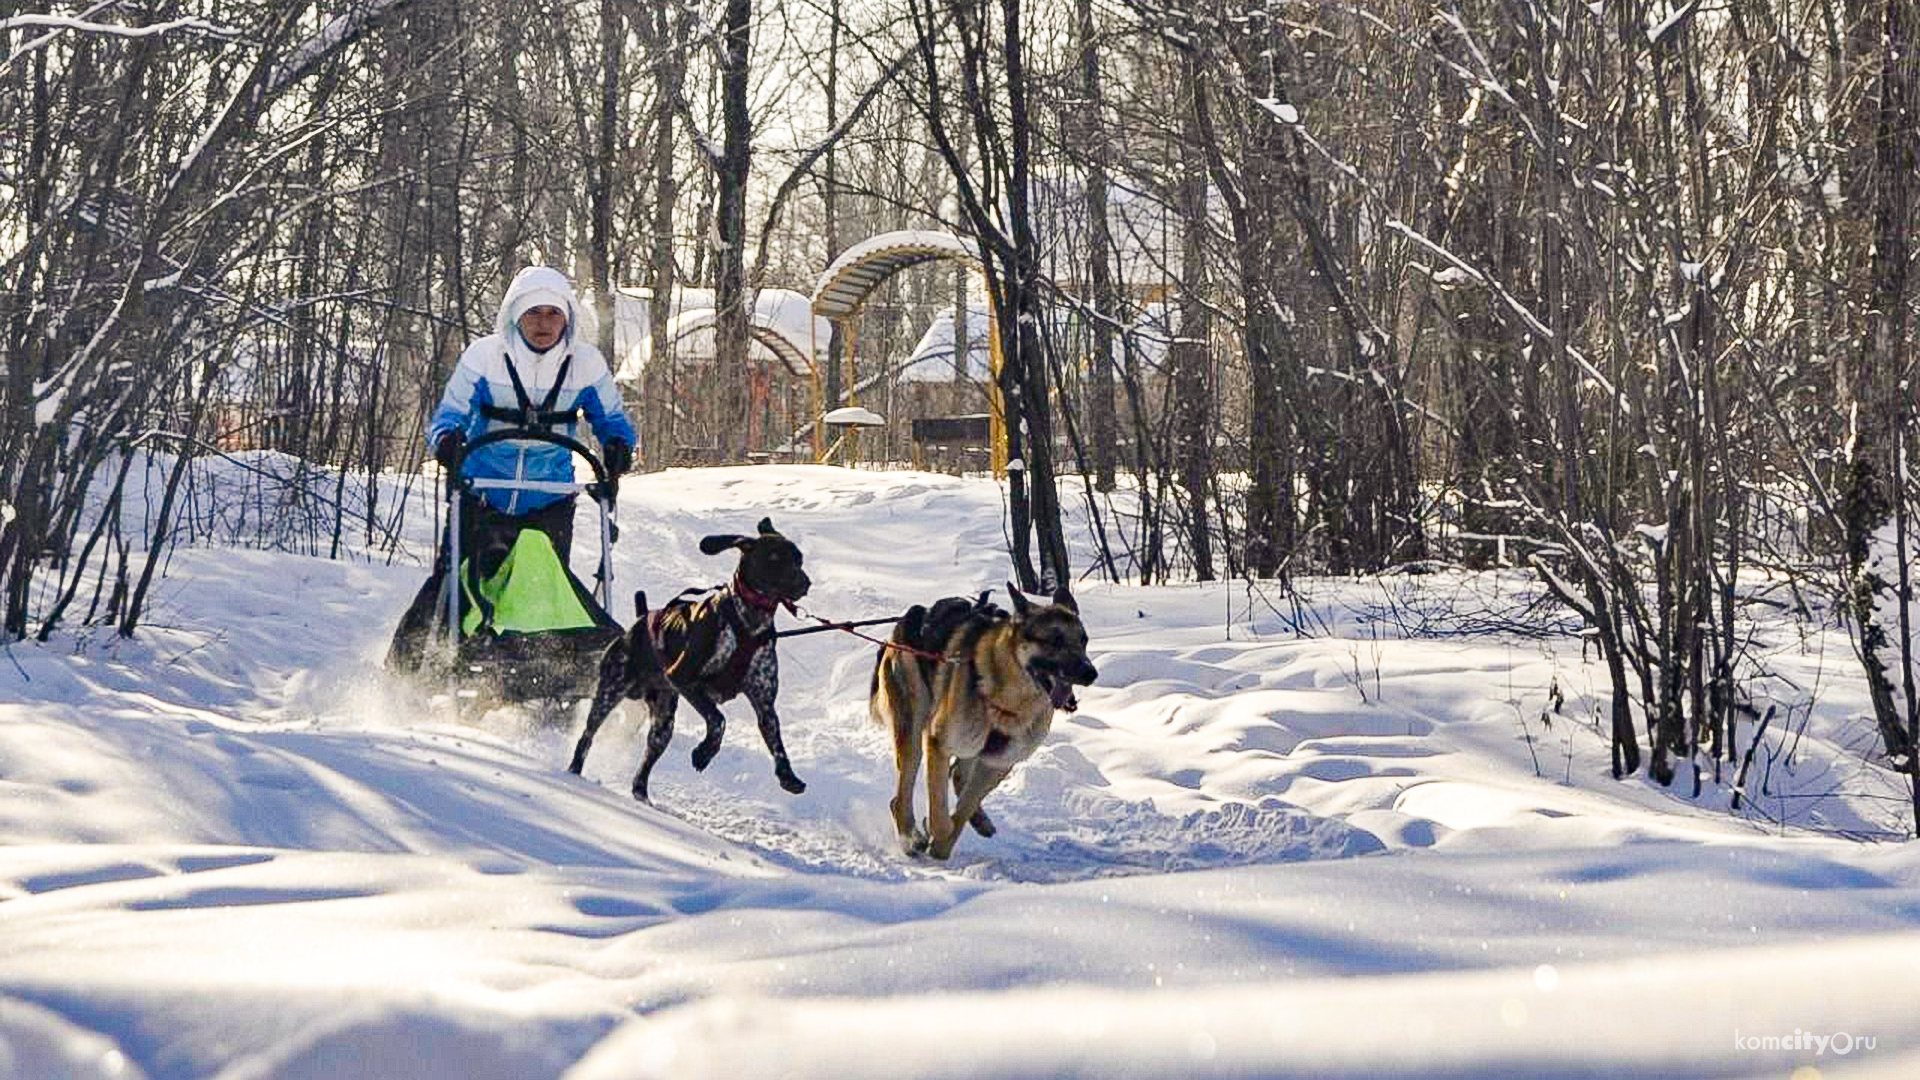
(542, 326)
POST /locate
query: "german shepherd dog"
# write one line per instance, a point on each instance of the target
(707, 646)
(979, 710)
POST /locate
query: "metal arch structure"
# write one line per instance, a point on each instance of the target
(762, 331)
(796, 360)
(862, 268)
(846, 284)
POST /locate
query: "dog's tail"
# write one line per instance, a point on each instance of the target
(906, 632)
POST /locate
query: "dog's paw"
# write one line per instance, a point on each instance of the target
(703, 755)
(914, 844)
(939, 845)
(981, 823)
(792, 783)
(640, 792)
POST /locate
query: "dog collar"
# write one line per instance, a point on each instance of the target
(754, 598)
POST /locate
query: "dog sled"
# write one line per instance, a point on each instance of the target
(528, 630)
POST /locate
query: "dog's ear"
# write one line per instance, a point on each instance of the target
(1021, 605)
(714, 545)
(766, 525)
(1065, 599)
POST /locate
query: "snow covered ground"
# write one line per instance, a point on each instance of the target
(1281, 837)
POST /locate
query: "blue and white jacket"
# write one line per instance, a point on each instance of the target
(484, 379)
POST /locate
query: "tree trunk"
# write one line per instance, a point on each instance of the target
(1101, 296)
(1870, 487)
(663, 32)
(731, 360)
(606, 173)
(1251, 198)
(831, 390)
(1193, 428)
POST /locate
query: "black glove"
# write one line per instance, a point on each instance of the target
(448, 448)
(617, 457)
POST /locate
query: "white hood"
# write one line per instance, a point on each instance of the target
(531, 288)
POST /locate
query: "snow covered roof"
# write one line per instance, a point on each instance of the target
(239, 377)
(854, 416)
(1145, 234)
(1148, 337)
(845, 284)
(784, 329)
(1144, 231)
(766, 338)
(931, 360)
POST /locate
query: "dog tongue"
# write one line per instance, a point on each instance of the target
(1061, 691)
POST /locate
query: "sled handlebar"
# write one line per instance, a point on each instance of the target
(602, 489)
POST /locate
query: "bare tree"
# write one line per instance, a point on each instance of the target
(130, 259)
(1879, 408)
(1101, 287)
(993, 90)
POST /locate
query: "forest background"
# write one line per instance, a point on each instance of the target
(1618, 291)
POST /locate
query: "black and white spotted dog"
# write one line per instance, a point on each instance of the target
(707, 647)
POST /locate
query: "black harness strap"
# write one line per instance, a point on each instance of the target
(728, 681)
(745, 644)
(525, 418)
(546, 416)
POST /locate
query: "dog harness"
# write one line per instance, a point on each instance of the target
(725, 604)
(745, 646)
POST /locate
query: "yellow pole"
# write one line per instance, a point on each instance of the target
(852, 456)
(996, 410)
(819, 391)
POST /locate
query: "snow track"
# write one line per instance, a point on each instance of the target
(238, 852)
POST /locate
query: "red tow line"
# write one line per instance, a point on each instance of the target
(848, 627)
